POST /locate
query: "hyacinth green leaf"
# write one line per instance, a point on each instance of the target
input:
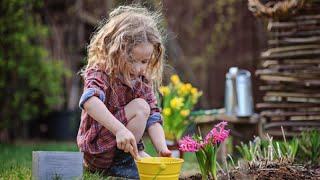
(201, 160)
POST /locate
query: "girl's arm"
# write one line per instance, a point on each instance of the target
(157, 137)
(98, 111)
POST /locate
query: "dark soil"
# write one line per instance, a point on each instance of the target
(192, 177)
(278, 172)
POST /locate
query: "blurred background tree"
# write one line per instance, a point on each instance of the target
(30, 83)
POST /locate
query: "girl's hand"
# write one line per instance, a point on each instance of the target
(126, 141)
(165, 153)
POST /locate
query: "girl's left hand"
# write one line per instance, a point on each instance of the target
(165, 153)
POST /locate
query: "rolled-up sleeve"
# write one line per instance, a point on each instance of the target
(96, 84)
(154, 118)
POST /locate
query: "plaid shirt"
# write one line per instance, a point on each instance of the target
(97, 142)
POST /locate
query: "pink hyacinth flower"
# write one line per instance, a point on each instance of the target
(218, 133)
(187, 144)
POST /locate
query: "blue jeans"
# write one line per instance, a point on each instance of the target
(124, 164)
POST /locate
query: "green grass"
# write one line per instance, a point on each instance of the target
(16, 159)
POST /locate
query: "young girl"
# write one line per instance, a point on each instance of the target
(125, 63)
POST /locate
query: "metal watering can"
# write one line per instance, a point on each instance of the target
(238, 93)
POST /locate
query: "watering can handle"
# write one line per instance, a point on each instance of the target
(136, 156)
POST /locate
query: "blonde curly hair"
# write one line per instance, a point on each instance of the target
(111, 44)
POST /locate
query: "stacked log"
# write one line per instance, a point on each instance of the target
(290, 70)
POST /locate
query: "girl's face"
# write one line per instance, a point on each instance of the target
(140, 56)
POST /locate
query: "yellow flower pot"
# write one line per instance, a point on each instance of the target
(160, 168)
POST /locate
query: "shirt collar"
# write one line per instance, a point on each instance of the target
(134, 83)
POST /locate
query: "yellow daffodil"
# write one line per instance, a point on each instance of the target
(175, 79)
(188, 86)
(183, 89)
(185, 112)
(194, 91)
(176, 103)
(166, 111)
(165, 90)
(196, 96)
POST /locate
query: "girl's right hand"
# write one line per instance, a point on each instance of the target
(126, 141)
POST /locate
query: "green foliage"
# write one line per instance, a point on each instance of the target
(310, 147)
(30, 83)
(246, 151)
(269, 150)
(302, 149)
(282, 148)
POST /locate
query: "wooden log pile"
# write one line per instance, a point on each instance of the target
(290, 69)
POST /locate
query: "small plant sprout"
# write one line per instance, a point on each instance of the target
(260, 154)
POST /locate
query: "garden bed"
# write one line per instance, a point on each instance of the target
(297, 158)
(274, 171)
